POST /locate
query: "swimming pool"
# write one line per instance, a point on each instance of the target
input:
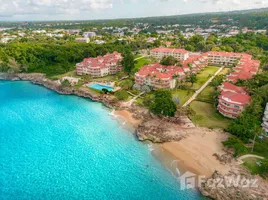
(100, 87)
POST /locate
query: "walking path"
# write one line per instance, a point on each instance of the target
(202, 88)
(240, 159)
(139, 58)
(129, 103)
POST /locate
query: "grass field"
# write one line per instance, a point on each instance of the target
(183, 95)
(207, 93)
(203, 76)
(224, 71)
(139, 63)
(250, 163)
(71, 73)
(206, 116)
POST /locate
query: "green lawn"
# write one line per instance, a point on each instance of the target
(250, 163)
(224, 71)
(203, 76)
(206, 116)
(183, 95)
(207, 93)
(105, 78)
(71, 73)
(139, 63)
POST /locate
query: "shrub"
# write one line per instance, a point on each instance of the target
(237, 144)
(121, 95)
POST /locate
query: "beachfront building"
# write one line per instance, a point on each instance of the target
(100, 66)
(265, 120)
(232, 100)
(159, 76)
(180, 54)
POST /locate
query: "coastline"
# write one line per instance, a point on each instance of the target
(194, 148)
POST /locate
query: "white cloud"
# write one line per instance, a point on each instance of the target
(20, 7)
(84, 9)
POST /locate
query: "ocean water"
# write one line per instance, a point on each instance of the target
(66, 147)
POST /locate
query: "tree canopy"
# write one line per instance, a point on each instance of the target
(163, 103)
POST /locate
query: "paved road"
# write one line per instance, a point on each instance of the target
(202, 88)
(240, 159)
(250, 156)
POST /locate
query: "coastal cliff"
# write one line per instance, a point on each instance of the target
(39, 78)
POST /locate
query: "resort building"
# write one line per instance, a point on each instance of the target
(265, 120)
(244, 66)
(225, 58)
(159, 76)
(180, 54)
(244, 70)
(232, 100)
(195, 63)
(100, 66)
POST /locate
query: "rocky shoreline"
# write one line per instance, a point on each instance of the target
(39, 79)
(155, 129)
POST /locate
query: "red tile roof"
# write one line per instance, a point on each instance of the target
(159, 71)
(232, 87)
(235, 98)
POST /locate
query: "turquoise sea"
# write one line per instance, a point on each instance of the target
(66, 147)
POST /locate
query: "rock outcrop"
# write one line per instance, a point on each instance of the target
(234, 186)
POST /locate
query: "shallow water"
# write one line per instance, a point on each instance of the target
(66, 147)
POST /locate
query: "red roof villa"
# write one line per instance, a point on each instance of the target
(195, 63)
(159, 76)
(232, 100)
(100, 66)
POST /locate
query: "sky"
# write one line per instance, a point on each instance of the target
(32, 10)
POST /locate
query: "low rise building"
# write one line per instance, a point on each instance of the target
(195, 63)
(180, 54)
(231, 103)
(159, 76)
(100, 66)
(89, 34)
(224, 58)
(85, 40)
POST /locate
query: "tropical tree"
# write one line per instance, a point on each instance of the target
(128, 61)
(169, 61)
(163, 104)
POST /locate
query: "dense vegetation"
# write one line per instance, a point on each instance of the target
(52, 58)
(249, 122)
(163, 103)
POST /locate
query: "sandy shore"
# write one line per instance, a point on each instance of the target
(195, 152)
(128, 117)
